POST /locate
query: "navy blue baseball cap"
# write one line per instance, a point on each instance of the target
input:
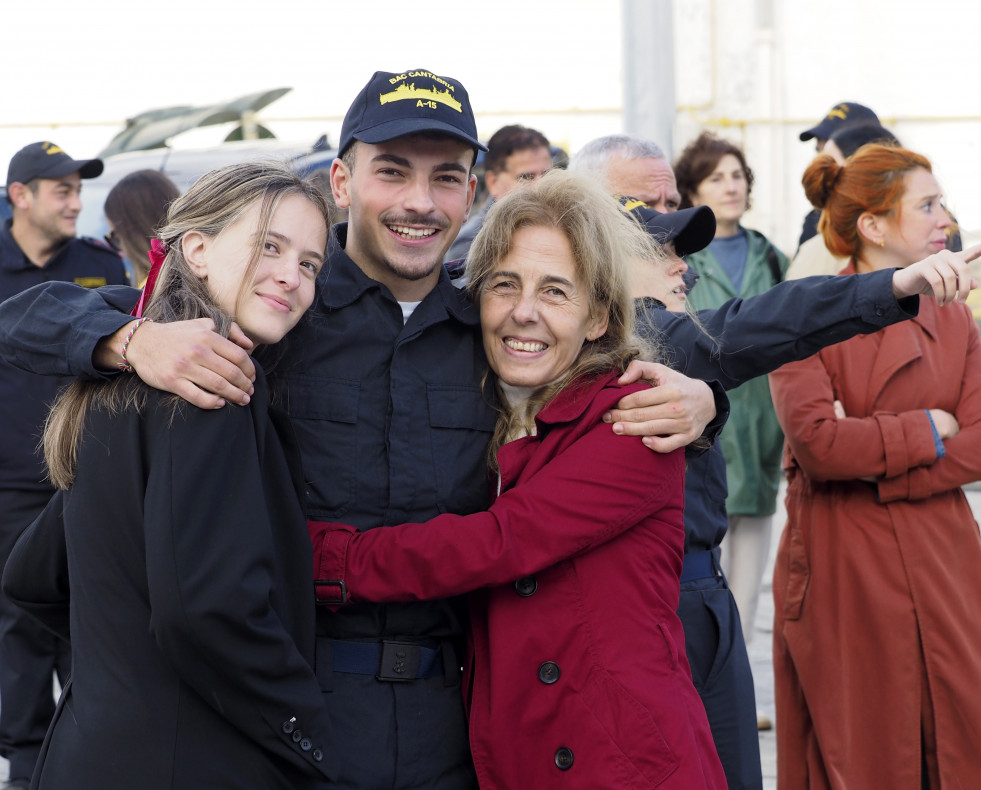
(843, 114)
(394, 105)
(690, 230)
(46, 160)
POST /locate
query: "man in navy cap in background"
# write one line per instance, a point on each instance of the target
(515, 155)
(37, 244)
(846, 113)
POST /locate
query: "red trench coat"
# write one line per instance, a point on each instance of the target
(577, 670)
(877, 586)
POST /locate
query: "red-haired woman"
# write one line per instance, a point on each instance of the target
(877, 637)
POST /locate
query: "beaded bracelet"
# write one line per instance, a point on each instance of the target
(124, 365)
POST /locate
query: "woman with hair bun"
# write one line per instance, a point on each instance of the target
(812, 256)
(877, 631)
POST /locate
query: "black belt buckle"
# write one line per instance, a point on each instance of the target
(341, 591)
(399, 661)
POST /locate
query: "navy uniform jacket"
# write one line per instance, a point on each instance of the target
(392, 421)
(26, 397)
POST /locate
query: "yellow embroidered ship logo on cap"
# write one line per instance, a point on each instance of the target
(424, 97)
(630, 203)
(51, 148)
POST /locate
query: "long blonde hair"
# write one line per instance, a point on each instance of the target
(603, 241)
(214, 201)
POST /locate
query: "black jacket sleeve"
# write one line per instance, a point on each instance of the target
(53, 328)
(746, 338)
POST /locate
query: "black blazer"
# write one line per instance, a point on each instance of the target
(191, 610)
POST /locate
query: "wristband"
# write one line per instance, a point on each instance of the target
(124, 365)
(938, 443)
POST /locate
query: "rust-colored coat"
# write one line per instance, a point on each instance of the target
(877, 631)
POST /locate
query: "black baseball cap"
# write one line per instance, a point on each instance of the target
(690, 229)
(394, 105)
(46, 160)
(845, 113)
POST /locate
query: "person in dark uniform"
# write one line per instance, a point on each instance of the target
(37, 244)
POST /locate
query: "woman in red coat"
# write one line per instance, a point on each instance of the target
(877, 636)
(577, 674)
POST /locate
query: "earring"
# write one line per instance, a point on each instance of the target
(882, 243)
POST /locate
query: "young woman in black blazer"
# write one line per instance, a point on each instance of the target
(191, 618)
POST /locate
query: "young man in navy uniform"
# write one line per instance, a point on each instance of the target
(38, 244)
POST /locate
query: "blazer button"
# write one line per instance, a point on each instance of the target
(526, 586)
(287, 727)
(306, 744)
(564, 758)
(548, 672)
(297, 736)
(317, 755)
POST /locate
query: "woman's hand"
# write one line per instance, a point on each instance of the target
(945, 276)
(946, 423)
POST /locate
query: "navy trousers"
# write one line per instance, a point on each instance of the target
(723, 678)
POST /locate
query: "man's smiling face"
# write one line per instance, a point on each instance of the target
(406, 200)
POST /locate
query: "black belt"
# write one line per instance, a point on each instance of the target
(700, 565)
(390, 660)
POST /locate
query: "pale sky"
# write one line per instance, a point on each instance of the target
(73, 71)
(104, 60)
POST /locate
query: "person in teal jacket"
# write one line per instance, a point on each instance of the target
(739, 262)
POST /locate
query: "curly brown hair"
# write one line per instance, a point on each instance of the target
(699, 160)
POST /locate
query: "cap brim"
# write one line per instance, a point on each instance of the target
(688, 230)
(822, 130)
(91, 168)
(86, 168)
(384, 132)
(695, 231)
